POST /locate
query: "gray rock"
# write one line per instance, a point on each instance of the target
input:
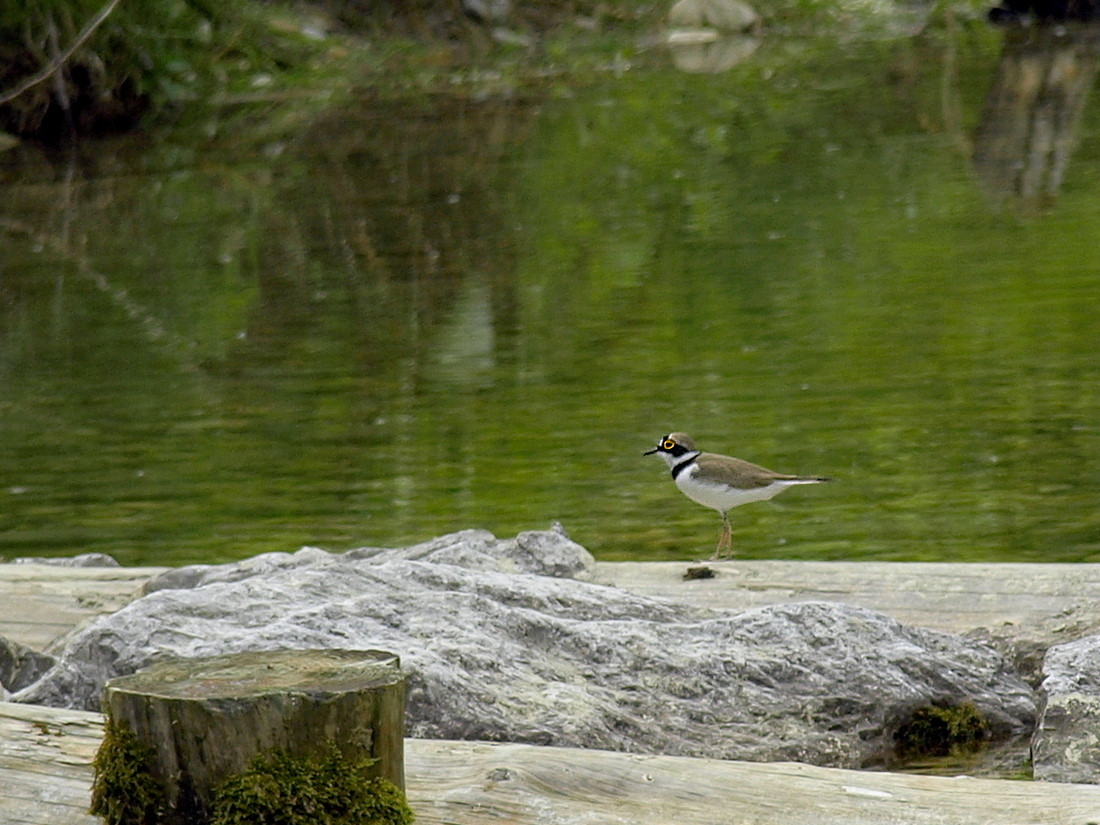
(1065, 746)
(1026, 645)
(83, 560)
(548, 553)
(725, 15)
(699, 55)
(488, 11)
(501, 655)
(21, 666)
(541, 552)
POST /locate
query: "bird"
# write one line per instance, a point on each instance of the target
(721, 482)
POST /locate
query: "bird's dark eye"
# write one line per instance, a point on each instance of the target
(668, 445)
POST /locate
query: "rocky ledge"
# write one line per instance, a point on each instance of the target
(505, 640)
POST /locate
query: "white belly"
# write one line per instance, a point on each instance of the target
(720, 497)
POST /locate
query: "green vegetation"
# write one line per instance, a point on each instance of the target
(78, 66)
(329, 790)
(277, 789)
(124, 792)
(86, 66)
(938, 730)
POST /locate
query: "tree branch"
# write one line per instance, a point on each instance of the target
(61, 59)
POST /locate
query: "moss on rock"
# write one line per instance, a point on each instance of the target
(937, 730)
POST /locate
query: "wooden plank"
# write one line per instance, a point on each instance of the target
(45, 765)
(464, 782)
(45, 780)
(40, 603)
(1053, 598)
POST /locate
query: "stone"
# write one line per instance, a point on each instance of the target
(700, 55)
(724, 15)
(496, 649)
(83, 560)
(541, 552)
(487, 11)
(21, 666)
(1065, 746)
(1026, 645)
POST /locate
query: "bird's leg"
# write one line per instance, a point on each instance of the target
(724, 542)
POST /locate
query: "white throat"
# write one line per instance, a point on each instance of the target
(674, 461)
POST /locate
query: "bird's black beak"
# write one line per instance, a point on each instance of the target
(651, 452)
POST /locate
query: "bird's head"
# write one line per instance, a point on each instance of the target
(674, 445)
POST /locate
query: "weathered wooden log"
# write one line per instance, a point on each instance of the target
(203, 721)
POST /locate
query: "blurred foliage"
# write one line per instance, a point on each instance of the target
(156, 55)
(130, 57)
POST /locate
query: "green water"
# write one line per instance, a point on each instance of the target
(412, 316)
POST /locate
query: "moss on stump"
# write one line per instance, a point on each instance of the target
(208, 740)
(324, 790)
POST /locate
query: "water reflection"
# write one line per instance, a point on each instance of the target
(414, 316)
(1033, 111)
(693, 52)
(712, 36)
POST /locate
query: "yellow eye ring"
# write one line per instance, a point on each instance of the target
(668, 445)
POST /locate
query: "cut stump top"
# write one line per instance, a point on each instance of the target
(256, 673)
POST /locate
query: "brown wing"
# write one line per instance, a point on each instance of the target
(739, 473)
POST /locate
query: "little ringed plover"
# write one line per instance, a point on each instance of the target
(719, 481)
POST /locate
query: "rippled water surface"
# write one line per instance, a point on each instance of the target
(877, 263)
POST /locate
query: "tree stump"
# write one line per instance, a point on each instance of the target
(201, 721)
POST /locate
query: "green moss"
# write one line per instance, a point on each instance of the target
(1024, 772)
(937, 730)
(277, 789)
(327, 790)
(124, 792)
